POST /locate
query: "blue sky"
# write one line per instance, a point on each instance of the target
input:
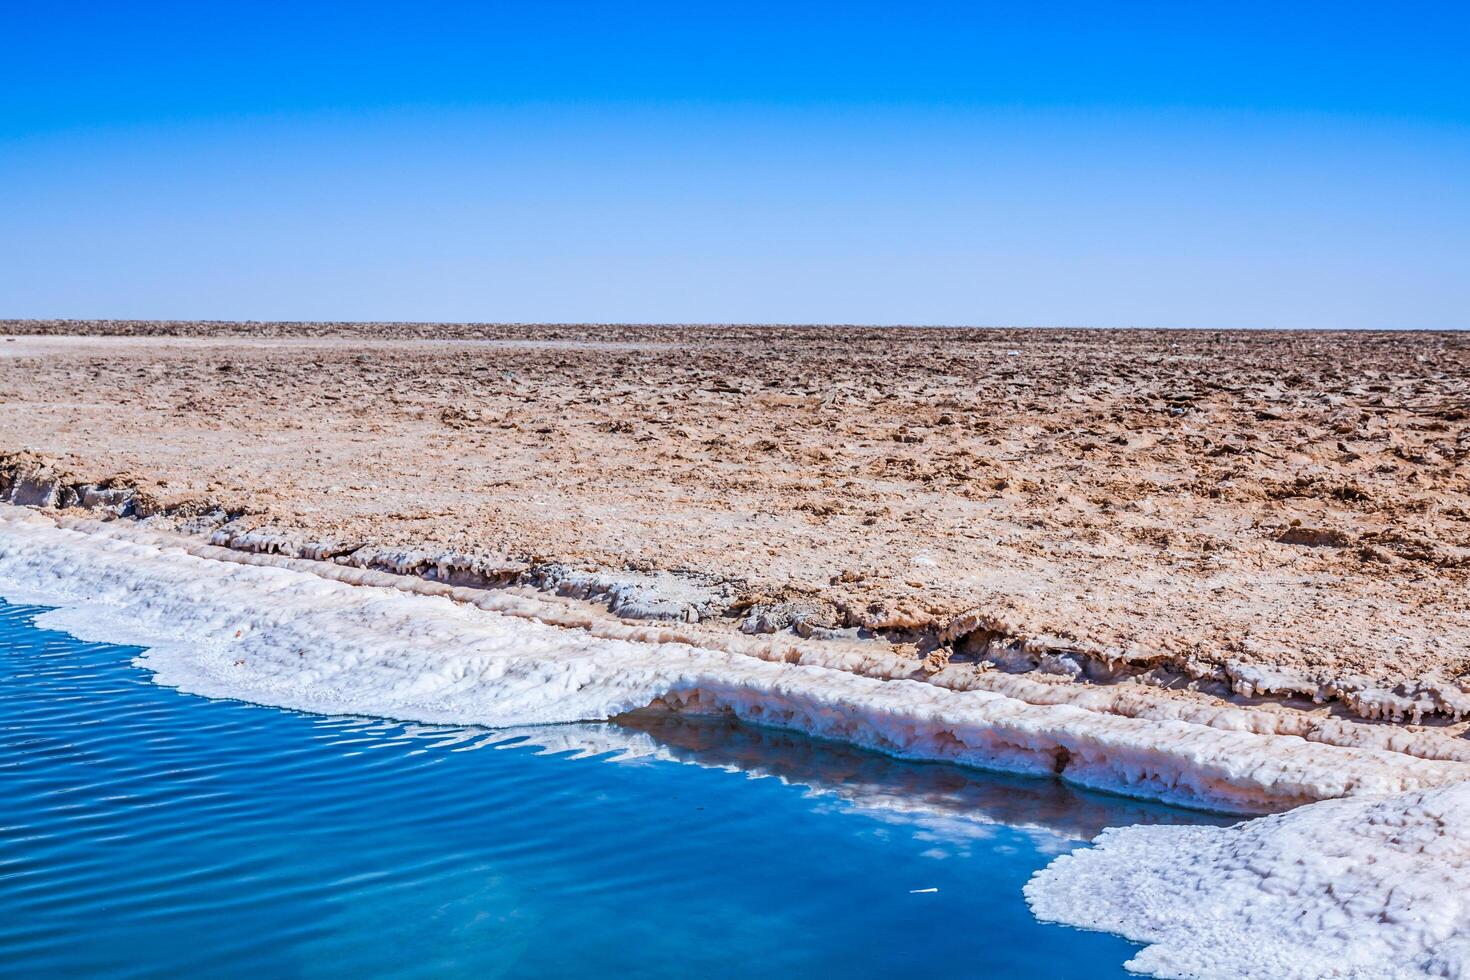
(1281, 165)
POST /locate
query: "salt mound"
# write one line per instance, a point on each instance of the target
(1343, 888)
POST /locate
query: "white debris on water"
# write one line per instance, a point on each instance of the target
(1352, 888)
(287, 637)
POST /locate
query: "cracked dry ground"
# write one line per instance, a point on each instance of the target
(1297, 499)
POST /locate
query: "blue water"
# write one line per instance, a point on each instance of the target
(147, 832)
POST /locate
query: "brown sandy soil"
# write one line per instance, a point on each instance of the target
(1291, 499)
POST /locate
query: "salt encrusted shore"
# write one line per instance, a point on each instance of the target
(320, 636)
(972, 652)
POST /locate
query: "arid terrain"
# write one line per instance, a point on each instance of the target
(1274, 511)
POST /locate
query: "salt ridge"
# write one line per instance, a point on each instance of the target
(286, 637)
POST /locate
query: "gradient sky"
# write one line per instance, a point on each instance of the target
(1171, 164)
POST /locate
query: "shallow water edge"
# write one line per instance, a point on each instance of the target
(279, 634)
(151, 832)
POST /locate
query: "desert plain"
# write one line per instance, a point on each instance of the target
(1256, 515)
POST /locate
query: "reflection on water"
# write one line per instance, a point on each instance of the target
(147, 832)
(878, 782)
(944, 797)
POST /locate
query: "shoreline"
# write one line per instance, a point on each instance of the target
(1235, 762)
(973, 651)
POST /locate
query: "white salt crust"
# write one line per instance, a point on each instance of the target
(286, 637)
(864, 658)
(1351, 888)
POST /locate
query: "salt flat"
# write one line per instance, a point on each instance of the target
(1274, 513)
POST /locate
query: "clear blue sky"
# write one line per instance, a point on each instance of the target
(1171, 164)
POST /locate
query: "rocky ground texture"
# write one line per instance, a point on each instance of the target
(1248, 515)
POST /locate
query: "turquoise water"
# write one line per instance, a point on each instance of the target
(144, 832)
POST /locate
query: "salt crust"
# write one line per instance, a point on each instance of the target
(282, 636)
(1350, 888)
(868, 658)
